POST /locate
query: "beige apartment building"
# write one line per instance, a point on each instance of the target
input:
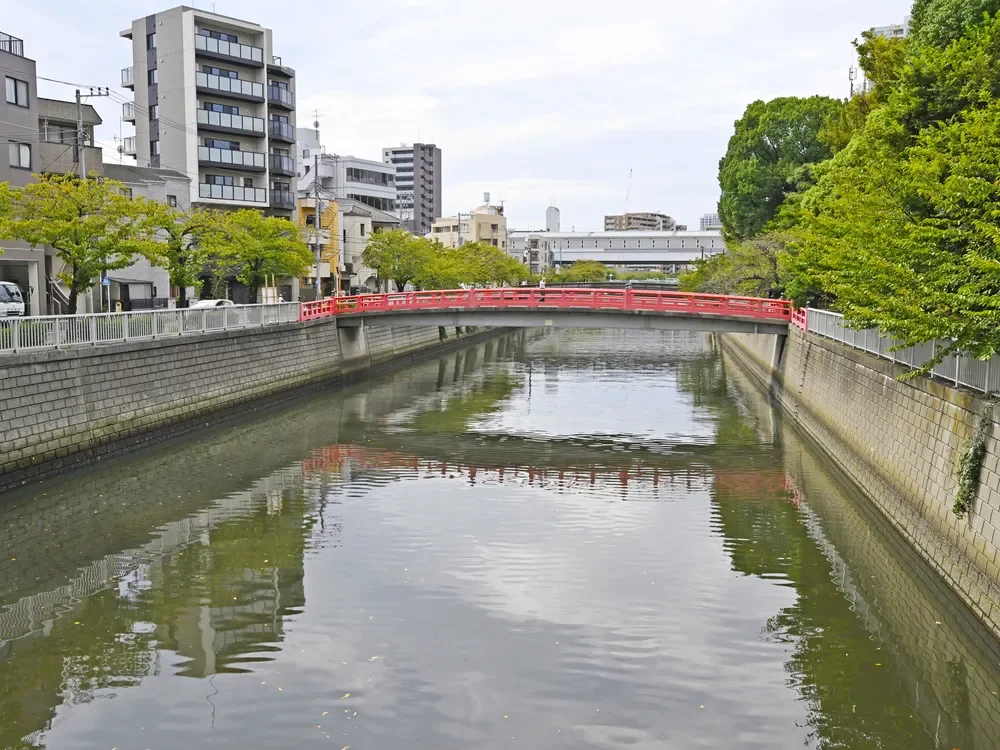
(485, 224)
(639, 222)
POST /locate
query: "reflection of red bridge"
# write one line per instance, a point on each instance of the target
(568, 308)
(750, 482)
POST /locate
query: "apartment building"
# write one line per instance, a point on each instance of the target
(894, 30)
(418, 184)
(710, 223)
(212, 101)
(483, 224)
(639, 222)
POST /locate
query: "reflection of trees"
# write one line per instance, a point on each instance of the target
(454, 414)
(705, 380)
(854, 703)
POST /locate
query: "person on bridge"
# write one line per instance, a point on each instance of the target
(541, 284)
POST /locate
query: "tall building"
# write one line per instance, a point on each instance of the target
(551, 219)
(710, 223)
(483, 224)
(894, 30)
(213, 102)
(639, 222)
(418, 184)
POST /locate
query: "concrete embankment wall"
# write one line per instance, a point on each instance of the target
(64, 408)
(900, 442)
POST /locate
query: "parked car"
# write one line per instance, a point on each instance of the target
(11, 300)
(203, 303)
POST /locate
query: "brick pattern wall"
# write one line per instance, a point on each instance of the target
(901, 443)
(62, 408)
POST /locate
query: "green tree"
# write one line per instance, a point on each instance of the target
(90, 224)
(258, 247)
(748, 268)
(767, 156)
(181, 243)
(584, 271)
(481, 263)
(396, 255)
(939, 22)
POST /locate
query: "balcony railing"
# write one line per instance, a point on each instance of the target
(128, 112)
(236, 159)
(281, 97)
(128, 145)
(282, 199)
(236, 86)
(128, 78)
(11, 45)
(281, 163)
(281, 130)
(232, 193)
(244, 123)
(232, 50)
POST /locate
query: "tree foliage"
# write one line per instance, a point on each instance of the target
(749, 268)
(768, 157)
(181, 243)
(90, 224)
(939, 22)
(255, 248)
(583, 271)
(396, 255)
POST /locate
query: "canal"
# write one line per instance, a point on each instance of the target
(570, 539)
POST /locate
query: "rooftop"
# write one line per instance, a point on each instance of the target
(132, 173)
(11, 45)
(57, 109)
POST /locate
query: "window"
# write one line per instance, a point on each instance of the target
(362, 229)
(248, 182)
(219, 179)
(154, 148)
(310, 220)
(17, 92)
(127, 192)
(172, 201)
(152, 77)
(224, 145)
(280, 118)
(220, 35)
(278, 84)
(154, 111)
(305, 153)
(222, 72)
(151, 41)
(226, 108)
(20, 155)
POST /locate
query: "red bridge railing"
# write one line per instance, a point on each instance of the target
(552, 299)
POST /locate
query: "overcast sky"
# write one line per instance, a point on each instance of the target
(531, 100)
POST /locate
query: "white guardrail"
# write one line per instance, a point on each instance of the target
(63, 331)
(977, 374)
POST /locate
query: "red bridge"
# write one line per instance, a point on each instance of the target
(524, 307)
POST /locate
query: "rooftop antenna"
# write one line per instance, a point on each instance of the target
(628, 189)
(852, 74)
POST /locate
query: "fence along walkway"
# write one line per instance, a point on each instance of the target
(61, 331)
(977, 374)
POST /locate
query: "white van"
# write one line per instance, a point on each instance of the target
(11, 301)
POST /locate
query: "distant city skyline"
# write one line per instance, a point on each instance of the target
(531, 123)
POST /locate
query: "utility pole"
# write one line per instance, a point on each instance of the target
(79, 136)
(319, 286)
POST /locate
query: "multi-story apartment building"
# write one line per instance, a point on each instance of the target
(894, 30)
(214, 102)
(418, 184)
(710, 223)
(639, 222)
(484, 224)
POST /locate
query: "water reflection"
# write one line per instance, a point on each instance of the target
(584, 539)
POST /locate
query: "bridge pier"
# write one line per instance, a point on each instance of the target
(353, 343)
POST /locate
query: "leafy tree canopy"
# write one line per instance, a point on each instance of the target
(181, 242)
(939, 22)
(767, 158)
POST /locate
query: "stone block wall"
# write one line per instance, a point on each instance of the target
(900, 442)
(64, 408)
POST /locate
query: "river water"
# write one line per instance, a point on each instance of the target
(585, 539)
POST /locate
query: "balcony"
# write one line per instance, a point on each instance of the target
(11, 45)
(128, 78)
(281, 131)
(232, 193)
(128, 145)
(279, 97)
(281, 164)
(244, 160)
(226, 123)
(233, 88)
(284, 199)
(216, 49)
(128, 112)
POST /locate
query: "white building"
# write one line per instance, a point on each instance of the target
(366, 181)
(212, 101)
(669, 252)
(710, 223)
(894, 30)
(551, 219)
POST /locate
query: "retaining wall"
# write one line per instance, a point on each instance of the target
(900, 442)
(63, 408)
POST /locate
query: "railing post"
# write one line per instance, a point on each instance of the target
(125, 326)
(93, 330)
(15, 335)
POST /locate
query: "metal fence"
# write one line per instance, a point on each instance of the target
(977, 374)
(64, 331)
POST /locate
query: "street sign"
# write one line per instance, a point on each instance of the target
(106, 281)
